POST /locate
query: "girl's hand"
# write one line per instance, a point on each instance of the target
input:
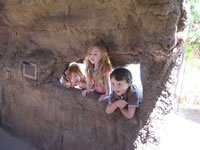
(67, 84)
(121, 103)
(101, 98)
(87, 91)
(82, 85)
(62, 80)
(84, 92)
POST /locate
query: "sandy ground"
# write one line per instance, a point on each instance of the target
(7, 142)
(182, 131)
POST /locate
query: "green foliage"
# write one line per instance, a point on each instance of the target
(191, 59)
(194, 11)
(192, 44)
(193, 36)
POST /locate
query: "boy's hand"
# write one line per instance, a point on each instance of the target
(121, 103)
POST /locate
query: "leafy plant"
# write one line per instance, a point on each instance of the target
(192, 44)
(191, 59)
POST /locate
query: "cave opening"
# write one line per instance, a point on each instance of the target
(53, 117)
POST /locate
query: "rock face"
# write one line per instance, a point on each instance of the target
(51, 33)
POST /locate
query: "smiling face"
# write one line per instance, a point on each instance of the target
(119, 87)
(75, 79)
(95, 56)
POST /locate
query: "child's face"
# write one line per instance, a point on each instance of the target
(75, 78)
(95, 55)
(119, 87)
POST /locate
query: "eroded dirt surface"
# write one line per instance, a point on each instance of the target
(8, 142)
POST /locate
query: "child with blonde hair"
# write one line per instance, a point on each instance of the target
(73, 77)
(98, 69)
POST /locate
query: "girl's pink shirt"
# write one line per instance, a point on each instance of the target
(99, 85)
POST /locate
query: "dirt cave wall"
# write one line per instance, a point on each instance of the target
(52, 33)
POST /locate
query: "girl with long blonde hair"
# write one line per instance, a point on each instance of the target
(98, 69)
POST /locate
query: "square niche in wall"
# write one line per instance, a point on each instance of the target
(30, 70)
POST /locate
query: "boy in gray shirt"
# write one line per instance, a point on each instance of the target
(124, 94)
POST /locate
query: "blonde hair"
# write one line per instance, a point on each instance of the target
(74, 68)
(103, 65)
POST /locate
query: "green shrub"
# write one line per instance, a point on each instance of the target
(192, 44)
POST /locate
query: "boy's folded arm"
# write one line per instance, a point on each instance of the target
(111, 107)
(128, 113)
